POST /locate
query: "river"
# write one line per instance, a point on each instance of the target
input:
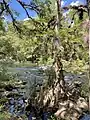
(32, 73)
(36, 75)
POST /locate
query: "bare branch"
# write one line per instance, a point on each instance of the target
(31, 6)
(7, 8)
(24, 6)
(74, 7)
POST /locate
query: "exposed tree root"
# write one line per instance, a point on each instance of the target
(64, 101)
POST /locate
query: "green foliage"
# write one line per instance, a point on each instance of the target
(4, 76)
(3, 101)
(37, 40)
(85, 89)
(4, 116)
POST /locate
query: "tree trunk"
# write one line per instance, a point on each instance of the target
(59, 81)
(58, 63)
(59, 13)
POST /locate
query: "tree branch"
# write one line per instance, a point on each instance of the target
(75, 7)
(5, 7)
(24, 7)
(11, 14)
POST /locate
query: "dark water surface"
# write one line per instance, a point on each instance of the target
(85, 117)
(24, 73)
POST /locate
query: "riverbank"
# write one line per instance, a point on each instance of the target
(28, 79)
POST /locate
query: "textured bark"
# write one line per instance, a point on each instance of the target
(58, 64)
(59, 81)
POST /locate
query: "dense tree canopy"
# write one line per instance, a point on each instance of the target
(36, 38)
